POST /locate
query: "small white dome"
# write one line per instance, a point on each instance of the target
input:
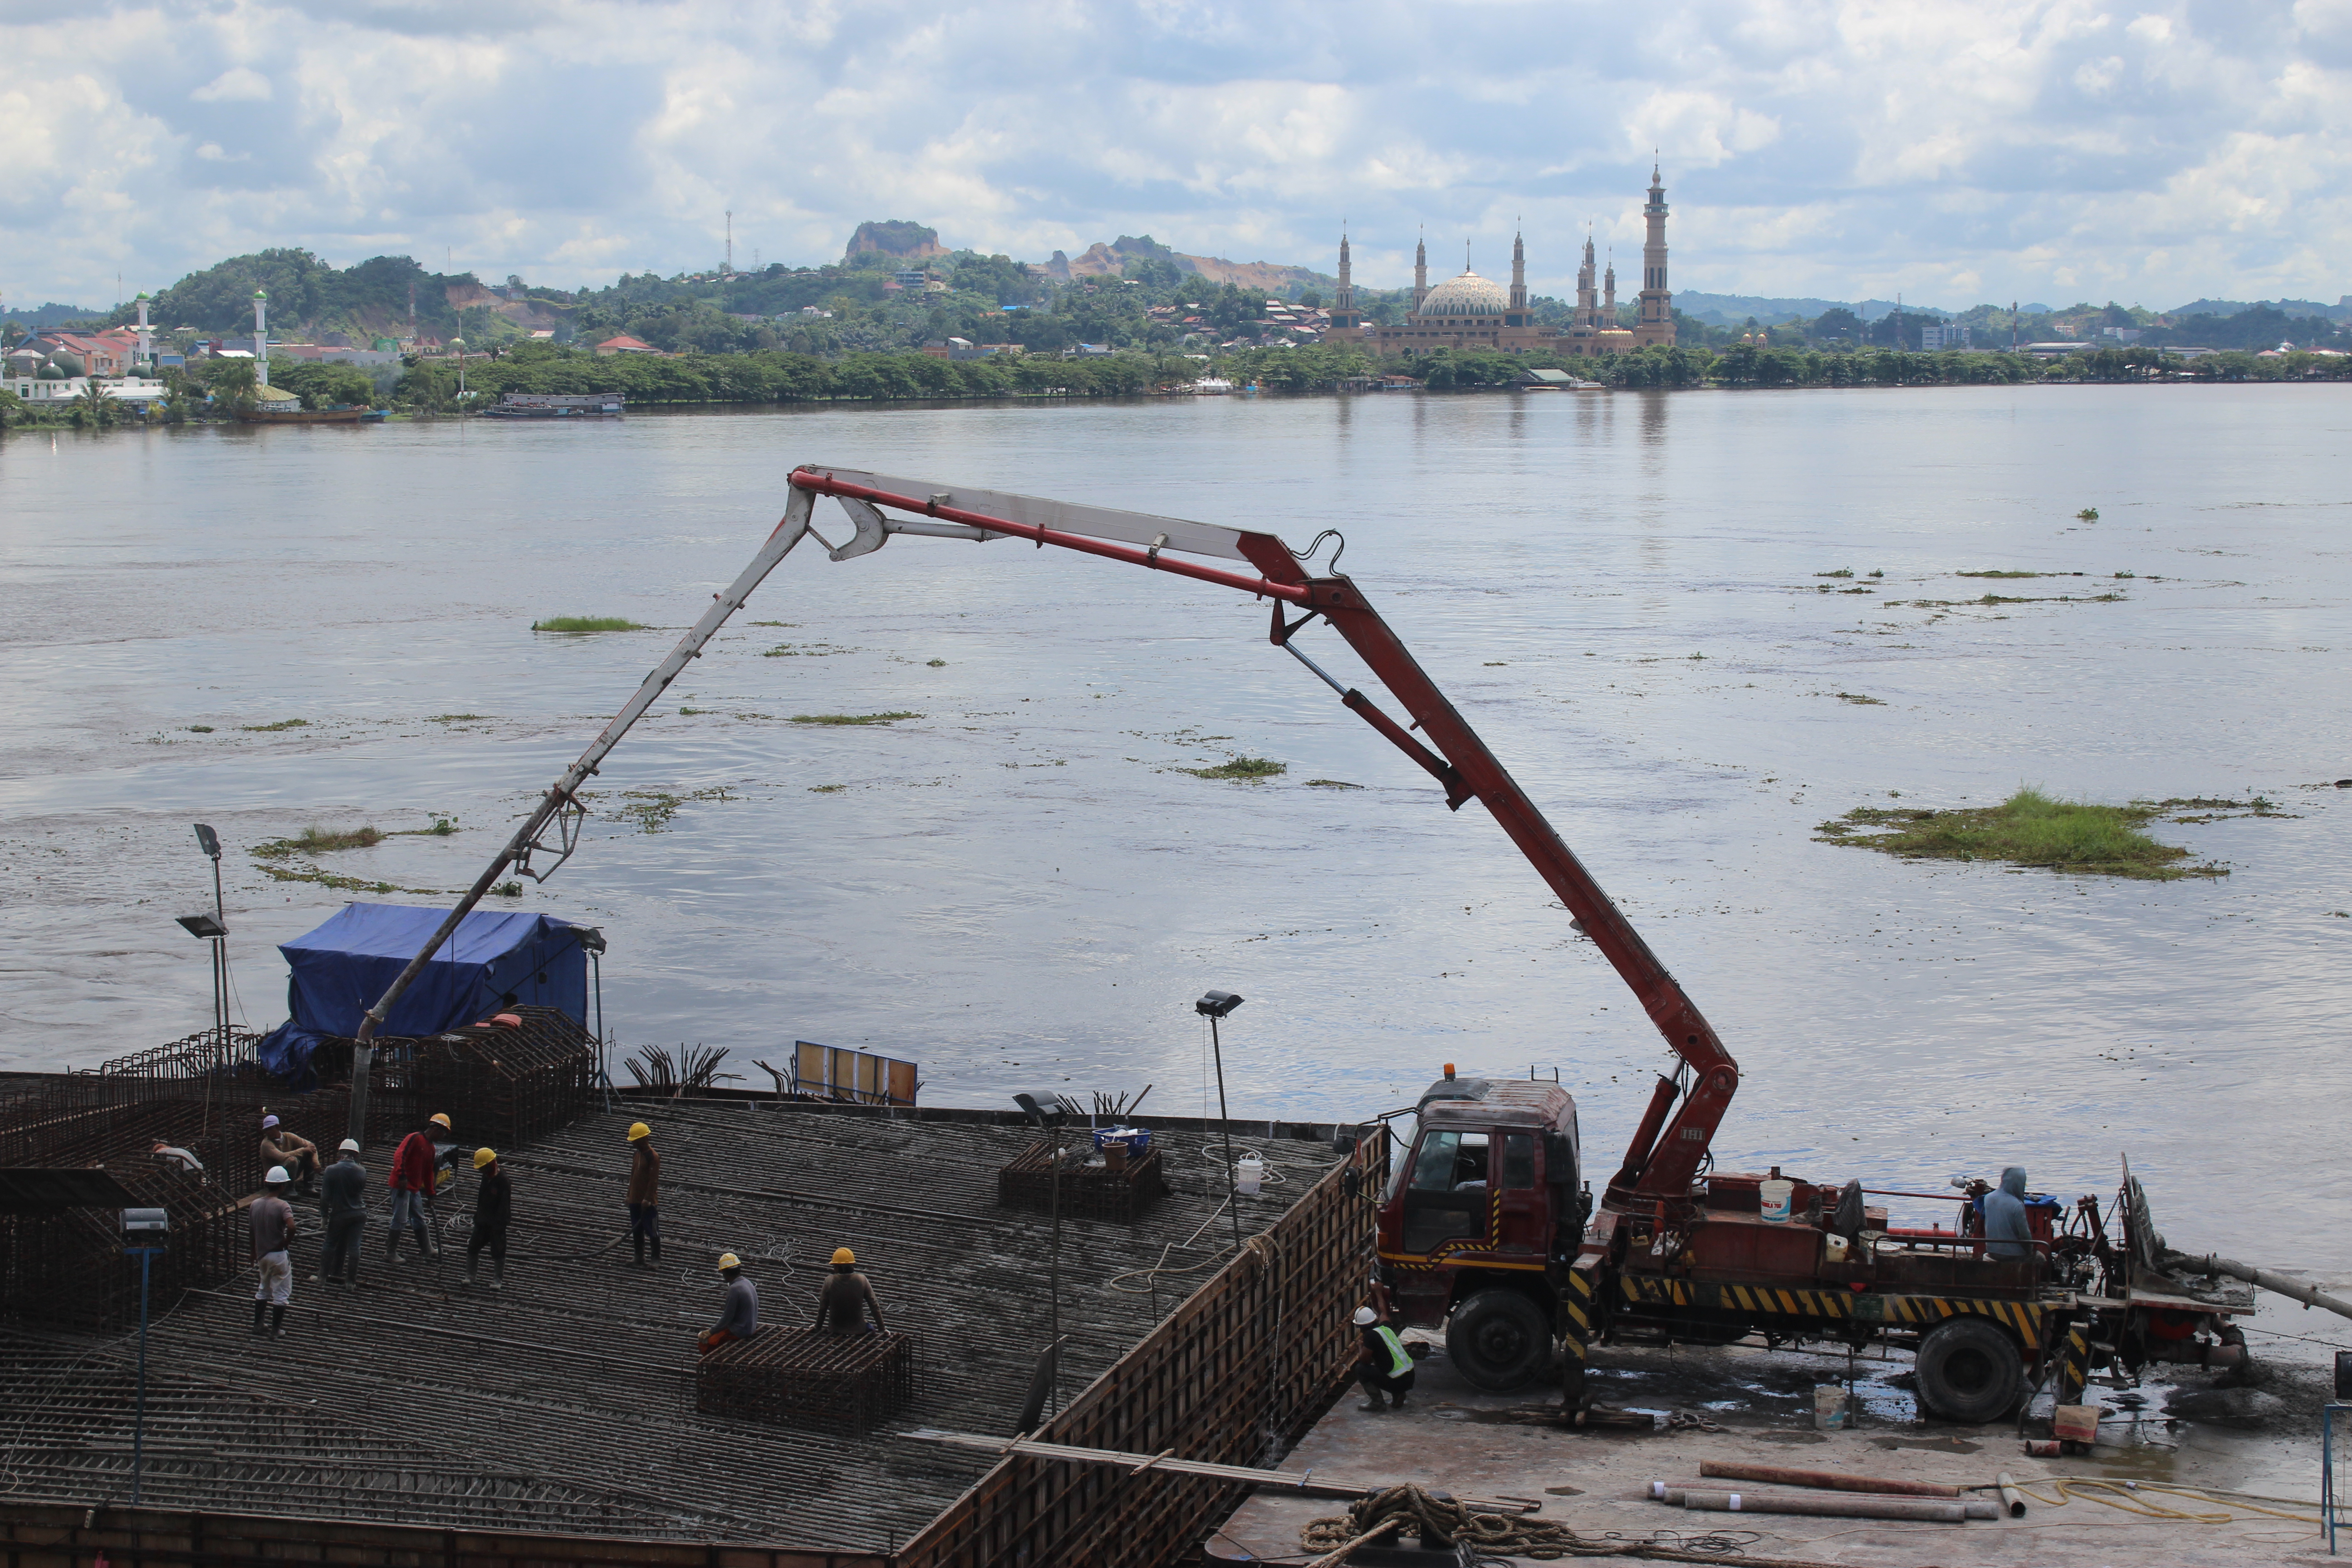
(1468, 295)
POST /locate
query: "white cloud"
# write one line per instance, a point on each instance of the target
(1835, 147)
(239, 84)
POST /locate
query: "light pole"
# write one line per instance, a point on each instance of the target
(1045, 1108)
(1218, 1005)
(214, 929)
(147, 1227)
(459, 344)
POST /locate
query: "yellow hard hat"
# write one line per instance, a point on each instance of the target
(729, 1260)
(440, 1118)
(843, 1258)
(485, 1157)
(639, 1130)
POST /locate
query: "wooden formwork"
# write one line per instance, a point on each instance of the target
(1234, 1376)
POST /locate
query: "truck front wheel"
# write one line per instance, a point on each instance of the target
(1499, 1339)
(1968, 1372)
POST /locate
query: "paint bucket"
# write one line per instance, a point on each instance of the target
(1249, 1174)
(1834, 1248)
(1772, 1195)
(1832, 1407)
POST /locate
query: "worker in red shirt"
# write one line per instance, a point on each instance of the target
(412, 1184)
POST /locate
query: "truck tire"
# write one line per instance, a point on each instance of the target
(1968, 1372)
(1499, 1339)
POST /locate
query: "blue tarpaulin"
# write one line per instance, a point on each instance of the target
(491, 961)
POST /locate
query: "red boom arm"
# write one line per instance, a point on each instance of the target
(1659, 1165)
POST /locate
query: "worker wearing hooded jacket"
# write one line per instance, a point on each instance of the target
(1384, 1367)
(741, 1317)
(412, 1182)
(2007, 1236)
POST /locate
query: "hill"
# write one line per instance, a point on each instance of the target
(50, 314)
(894, 237)
(1109, 260)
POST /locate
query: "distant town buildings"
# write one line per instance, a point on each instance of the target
(1938, 336)
(625, 344)
(1473, 313)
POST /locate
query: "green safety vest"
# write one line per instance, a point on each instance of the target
(1399, 1362)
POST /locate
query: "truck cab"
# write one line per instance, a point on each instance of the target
(1481, 1220)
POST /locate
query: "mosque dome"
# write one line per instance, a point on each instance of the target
(1468, 295)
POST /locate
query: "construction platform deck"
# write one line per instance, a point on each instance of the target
(565, 1404)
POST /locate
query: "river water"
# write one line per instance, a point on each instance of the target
(1624, 594)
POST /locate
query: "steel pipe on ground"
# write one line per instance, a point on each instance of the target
(1927, 1511)
(1829, 1480)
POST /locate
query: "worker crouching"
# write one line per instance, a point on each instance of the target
(740, 1319)
(847, 1298)
(493, 1207)
(1384, 1367)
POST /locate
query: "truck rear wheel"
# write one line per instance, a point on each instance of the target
(1968, 1372)
(1499, 1339)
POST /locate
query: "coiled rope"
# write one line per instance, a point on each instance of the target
(1507, 1535)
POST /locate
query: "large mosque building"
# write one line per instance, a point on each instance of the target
(1474, 312)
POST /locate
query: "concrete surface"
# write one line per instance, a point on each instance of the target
(2263, 1440)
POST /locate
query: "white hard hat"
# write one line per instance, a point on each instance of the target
(347, 1146)
(268, 1122)
(1366, 1317)
(276, 1175)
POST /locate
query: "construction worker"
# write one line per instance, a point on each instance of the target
(847, 1297)
(272, 1219)
(281, 1145)
(645, 1194)
(2008, 1234)
(493, 1206)
(412, 1184)
(343, 1204)
(1385, 1368)
(741, 1317)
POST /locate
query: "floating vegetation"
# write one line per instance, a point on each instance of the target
(287, 860)
(2031, 828)
(694, 709)
(200, 728)
(455, 718)
(509, 889)
(1331, 784)
(1251, 769)
(826, 789)
(588, 624)
(653, 808)
(1840, 572)
(937, 663)
(788, 625)
(273, 728)
(2088, 514)
(891, 718)
(1860, 701)
(2017, 573)
(804, 650)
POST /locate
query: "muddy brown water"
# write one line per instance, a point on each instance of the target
(1624, 593)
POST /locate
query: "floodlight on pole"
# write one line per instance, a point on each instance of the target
(142, 1233)
(1219, 1004)
(1045, 1108)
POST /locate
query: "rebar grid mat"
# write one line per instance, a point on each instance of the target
(580, 1373)
(805, 1378)
(1087, 1191)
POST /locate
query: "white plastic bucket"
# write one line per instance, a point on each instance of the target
(1772, 1195)
(1249, 1172)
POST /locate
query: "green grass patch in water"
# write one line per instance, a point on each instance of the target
(2031, 828)
(889, 718)
(273, 728)
(588, 624)
(1250, 769)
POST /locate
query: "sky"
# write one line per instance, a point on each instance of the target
(1952, 150)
